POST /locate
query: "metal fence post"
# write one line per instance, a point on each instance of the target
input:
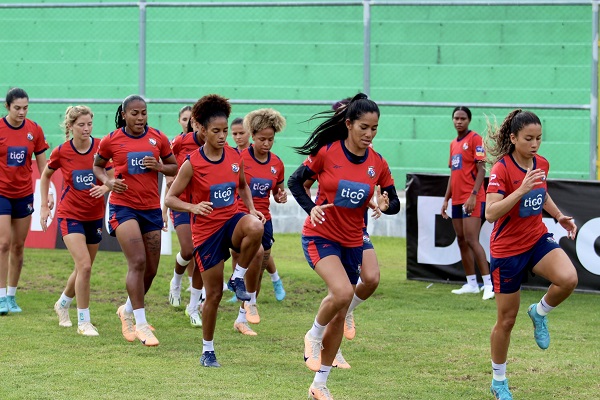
(142, 50)
(594, 96)
(367, 46)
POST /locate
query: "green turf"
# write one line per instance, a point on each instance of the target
(412, 342)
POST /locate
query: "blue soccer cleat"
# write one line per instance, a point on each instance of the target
(540, 327)
(209, 359)
(237, 286)
(13, 307)
(278, 289)
(500, 390)
(3, 306)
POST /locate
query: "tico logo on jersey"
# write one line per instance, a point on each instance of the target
(260, 187)
(135, 162)
(83, 179)
(456, 162)
(222, 195)
(532, 203)
(351, 194)
(16, 156)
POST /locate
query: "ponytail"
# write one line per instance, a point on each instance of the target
(498, 143)
(334, 127)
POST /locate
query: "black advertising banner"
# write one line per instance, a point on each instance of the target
(433, 254)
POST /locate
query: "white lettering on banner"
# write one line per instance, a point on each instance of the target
(37, 202)
(584, 246)
(428, 253)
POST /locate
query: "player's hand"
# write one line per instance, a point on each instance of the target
(532, 179)
(383, 201)
(469, 205)
(152, 163)
(280, 196)
(44, 215)
(98, 191)
(445, 210)
(376, 213)
(259, 215)
(203, 208)
(569, 224)
(317, 214)
(50, 201)
(116, 185)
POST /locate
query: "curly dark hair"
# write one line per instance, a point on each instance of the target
(498, 143)
(210, 106)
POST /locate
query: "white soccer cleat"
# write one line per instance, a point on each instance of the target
(488, 292)
(63, 315)
(467, 289)
(87, 329)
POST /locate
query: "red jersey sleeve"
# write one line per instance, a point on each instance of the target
(478, 148)
(385, 179)
(104, 149)
(165, 148)
(498, 175)
(281, 174)
(54, 160)
(315, 163)
(41, 145)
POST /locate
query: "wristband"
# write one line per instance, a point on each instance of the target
(474, 192)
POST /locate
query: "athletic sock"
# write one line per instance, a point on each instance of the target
(472, 280)
(499, 371)
(194, 299)
(239, 272)
(317, 330)
(274, 276)
(252, 298)
(176, 280)
(322, 374)
(140, 316)
(355, 303)
(241, 316)
(128, 306)
(11, 291)
(543, 308)
(83, 315)
(65, 301)
(208, 345)
(487, 280)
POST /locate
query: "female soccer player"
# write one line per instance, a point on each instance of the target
(265, 175)
(182, 146)
(214, 174)
(465, 187)
(240, 136)
(134, 205)
(80, 212)
(520, 242)
(339, 158)
(20, 138)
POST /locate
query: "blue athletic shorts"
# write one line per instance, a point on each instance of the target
(216, 248)
(508, 273)
(268, 239)
(367, 244)
(180, 218)
(478, 211)
(148, 220)
(316, 248)
(92, 230)
(16, 208)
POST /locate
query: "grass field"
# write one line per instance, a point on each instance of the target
(412, 342)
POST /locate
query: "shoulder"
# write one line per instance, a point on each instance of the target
(541, 161)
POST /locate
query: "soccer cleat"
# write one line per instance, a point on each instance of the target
(13, 307)
(3, 306)
(233, 299)
(488, 292)
(318, 391)
(278, 289)
(500, 390)
(540, 327)
(349, 327)
(238, 287)
(127, 327)
(195, 319)
(175, 295)
(339, 361)
(252, 313)
(63, 315)
(209, 359)
(466, 288)
(244, 329)
(145, 335)
(312, 352)
(87, 329)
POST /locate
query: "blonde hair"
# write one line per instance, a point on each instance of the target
(264, 118)
(71, 115)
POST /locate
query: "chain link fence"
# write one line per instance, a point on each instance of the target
(417, 59)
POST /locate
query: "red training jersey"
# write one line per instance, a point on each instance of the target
(127, 153)
(518, 230)
(17, 145)
(465, 153)
(261, 178)
(181, 146)
(217, 182)
(78, 178)
(349, 186)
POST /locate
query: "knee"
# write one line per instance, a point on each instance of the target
(343, 297)
(137, 263)
(255, 228)
(85, 270)
(506, 324)
(570, 282)
(370, 279)
(17, 248)
(186, 254)
(4, 246)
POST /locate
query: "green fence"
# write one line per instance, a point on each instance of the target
(419, 54)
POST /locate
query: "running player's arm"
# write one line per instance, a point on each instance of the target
(246, 195)
(296, 183)
(565, 221)
(44, 188)
(40, 160)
